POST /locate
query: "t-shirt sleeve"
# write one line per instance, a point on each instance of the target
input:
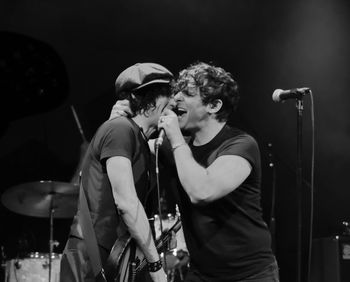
(119, 140)
(244, 146)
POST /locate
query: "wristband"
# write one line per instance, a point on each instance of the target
(173, 148)
(154, 266)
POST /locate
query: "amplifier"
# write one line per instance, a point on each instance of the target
(330, 260)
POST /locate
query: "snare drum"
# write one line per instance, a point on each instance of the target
(33, 268)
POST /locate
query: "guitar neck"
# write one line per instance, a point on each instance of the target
(162, 241)
(165, 237)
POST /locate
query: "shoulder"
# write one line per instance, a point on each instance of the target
(117, 125)
(119, 129)
(118, 122)
(238, 136)
(240, 143)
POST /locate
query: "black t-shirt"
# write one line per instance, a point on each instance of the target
(116, 137)
(227, 239)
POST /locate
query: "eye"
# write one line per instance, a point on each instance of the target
(188, 93)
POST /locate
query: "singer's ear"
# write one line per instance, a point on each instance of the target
(214, 106)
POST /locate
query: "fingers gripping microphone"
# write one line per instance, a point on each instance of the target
(280, 95)
(161, 135)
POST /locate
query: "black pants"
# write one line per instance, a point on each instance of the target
(268, 274)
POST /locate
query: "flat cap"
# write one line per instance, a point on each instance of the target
(140, 75)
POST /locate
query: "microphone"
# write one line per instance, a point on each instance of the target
(281, 95)
(160, 138)
(161, 135)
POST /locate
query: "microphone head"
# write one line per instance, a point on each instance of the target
(276, 95)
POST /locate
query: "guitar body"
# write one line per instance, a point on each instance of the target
(124, 261)
(127, 263)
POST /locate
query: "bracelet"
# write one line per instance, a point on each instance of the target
(173, 148)
(154, 266)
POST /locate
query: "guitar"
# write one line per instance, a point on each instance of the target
(126, 261)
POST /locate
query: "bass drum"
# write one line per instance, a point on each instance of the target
(33, 268)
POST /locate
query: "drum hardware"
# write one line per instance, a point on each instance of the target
(83, 148)
(33, 268)
(43, 199)
(3, 263)
(3, 255)
(17, 264)
(176, 256)
(346, 228)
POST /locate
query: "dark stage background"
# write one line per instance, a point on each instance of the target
(264, 44)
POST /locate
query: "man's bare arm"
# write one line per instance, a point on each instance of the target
(134, 216)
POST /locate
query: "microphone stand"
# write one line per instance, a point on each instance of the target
(299, 106)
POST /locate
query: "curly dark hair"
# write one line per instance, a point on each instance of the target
(144, 99)
(213, 83)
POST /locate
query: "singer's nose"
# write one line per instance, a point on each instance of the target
(178, 96)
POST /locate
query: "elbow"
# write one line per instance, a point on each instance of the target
(199, 193)
(197, 201)
(203, 194)
(200, 199)
(126, 206)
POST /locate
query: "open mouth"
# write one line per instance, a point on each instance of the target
(179, 111)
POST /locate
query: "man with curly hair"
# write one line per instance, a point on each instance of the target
(218, 175)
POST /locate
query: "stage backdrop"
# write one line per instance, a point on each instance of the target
(265, 45)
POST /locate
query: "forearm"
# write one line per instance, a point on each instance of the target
(193, 177)
(135, 218)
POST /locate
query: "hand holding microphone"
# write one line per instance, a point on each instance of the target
(168, 124)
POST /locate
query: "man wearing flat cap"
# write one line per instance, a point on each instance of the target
(115, 179)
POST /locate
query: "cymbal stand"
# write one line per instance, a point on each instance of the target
(51, 241)
(78, 124)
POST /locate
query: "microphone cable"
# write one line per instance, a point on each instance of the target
(159, 205)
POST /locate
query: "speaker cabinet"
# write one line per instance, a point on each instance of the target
(330, 261)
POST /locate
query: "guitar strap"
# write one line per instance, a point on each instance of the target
(90, 237)
(132, 263)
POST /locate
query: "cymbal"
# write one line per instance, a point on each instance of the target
(37, 198)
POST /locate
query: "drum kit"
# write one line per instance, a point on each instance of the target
(43, 199)
(176, 258)
(52, 199)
